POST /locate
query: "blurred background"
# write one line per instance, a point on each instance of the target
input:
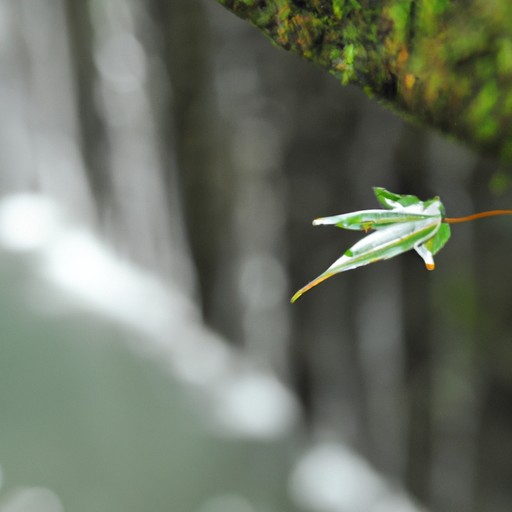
(160, 165)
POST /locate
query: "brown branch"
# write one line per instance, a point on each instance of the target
(475, 216)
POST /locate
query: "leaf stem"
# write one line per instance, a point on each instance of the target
(468, 218)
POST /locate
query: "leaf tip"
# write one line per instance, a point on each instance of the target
(310, 285)
(296, 296)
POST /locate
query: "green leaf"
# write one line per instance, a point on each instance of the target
(437, 242)
(390, 200)
(408, 223)
(381, 245)
(369, 219)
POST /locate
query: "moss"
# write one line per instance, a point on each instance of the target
(461, 87)
(338, 8)
(336, 56)
(282, 13)
(348, 56)
(343, 63)
(507, 104)
(368, 91)
(438, 7)
(468, 41)
(432, 87)
(506, 152)
(487, 130)
(399, 13)
(351, 33)
(484, 102)
(262, 17)
(437, 61)
(409, 81)
(296, 30)
(481, 112)
(431, 14)
(504, 57)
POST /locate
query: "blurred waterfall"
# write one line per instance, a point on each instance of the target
(106, 167)
(160, 165)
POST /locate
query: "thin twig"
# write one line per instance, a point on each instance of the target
(491, 213)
